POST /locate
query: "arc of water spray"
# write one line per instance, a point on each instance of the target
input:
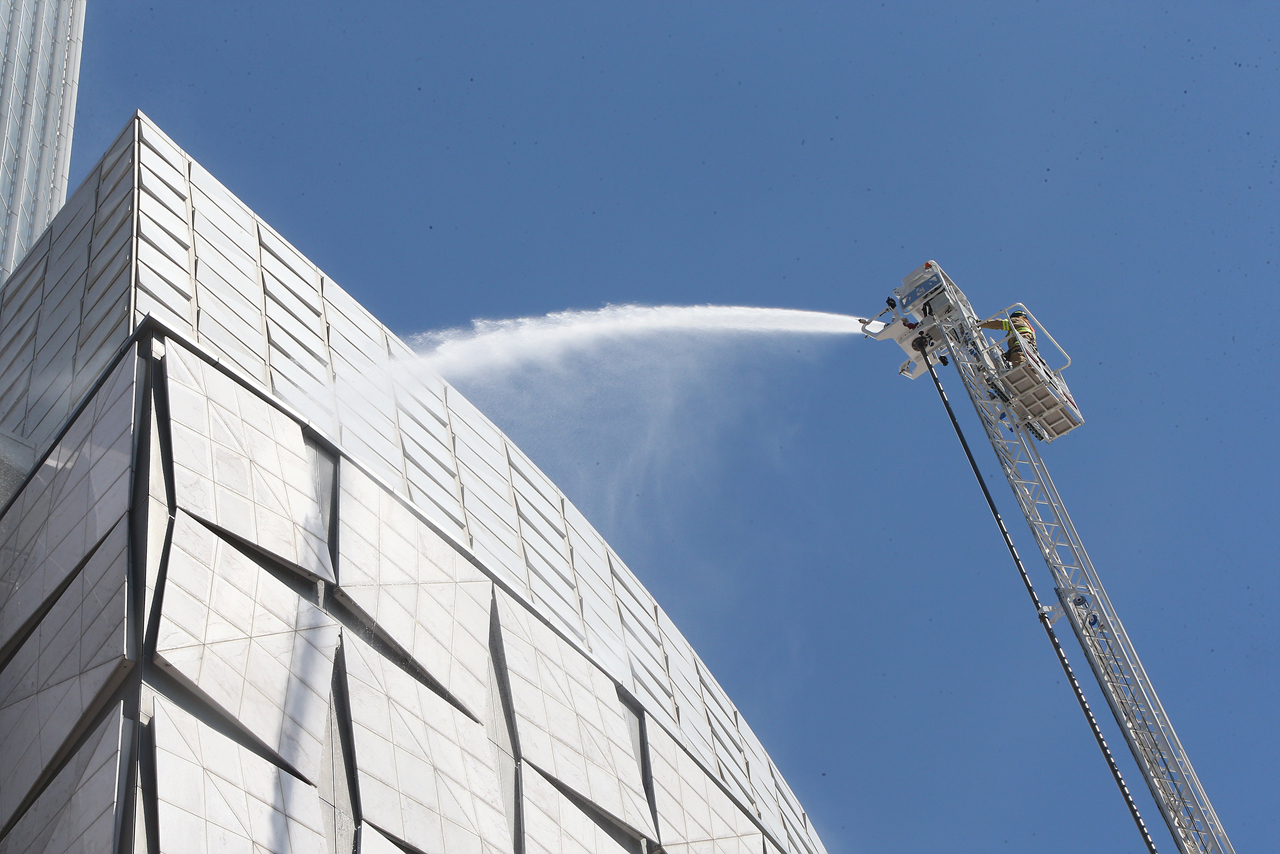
(498, 344)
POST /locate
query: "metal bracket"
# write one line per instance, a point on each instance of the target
(1053, 612)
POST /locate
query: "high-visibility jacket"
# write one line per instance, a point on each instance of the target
(1024, 327)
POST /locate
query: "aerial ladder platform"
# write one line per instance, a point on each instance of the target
(1019, 405)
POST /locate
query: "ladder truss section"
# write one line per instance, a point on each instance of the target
(1142, 720)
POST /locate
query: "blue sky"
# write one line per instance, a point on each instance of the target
(806, 517)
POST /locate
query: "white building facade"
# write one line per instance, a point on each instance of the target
(266, 587)
(38, 83)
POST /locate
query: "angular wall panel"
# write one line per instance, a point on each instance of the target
(216, 796)
(55, 299)
(695, 814)
(767, 805)
(78, 650)
(77, 810)
(335, 784)
(555, 825)
(682, 663)
(78, 494)
(426, 772)
(242, 464)
(650, 679)
(569, 720)
(599, 603)
(249, 643)
(374, 841)
(415, 587)
(800, 837)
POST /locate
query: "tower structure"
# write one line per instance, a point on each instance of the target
(38, 82)
(264, 586)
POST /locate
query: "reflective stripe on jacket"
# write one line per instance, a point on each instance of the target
(1025, 329)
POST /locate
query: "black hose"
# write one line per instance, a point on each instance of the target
(920, 344)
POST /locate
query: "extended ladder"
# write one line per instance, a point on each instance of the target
(948, 323)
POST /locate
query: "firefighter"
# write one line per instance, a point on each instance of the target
(1017, 320)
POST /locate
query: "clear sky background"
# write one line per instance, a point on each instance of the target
(805, 516)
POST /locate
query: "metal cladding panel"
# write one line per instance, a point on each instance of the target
(374, 841)
(292, 330)
(49, 402)
(252, 646)
(115, 204)
(545, 520)
(77, 810)
(767, 803)
(312, 401)
(427, 492)
(564, 614)
(691, 712)
(241, 464)
(109, 250)
(69, 252)
(77, 651)
(545, 559)
(288, 265)
(228, 263)
(367, 439)
(17, 324)
(498, 558)
(799, 836)
(694, 813)
(470, 424)
(163, 180)
(569, 721)
(422, 389)
(485, 504)
(425, 450)
(170, 261)
(643, 640)
(227, 206)
(539, 483)
(553, 824)
(723, 718)
(426, 773)
(362, 383)
(224, 222)
(355, 323)
(161, 225)
(425, 437)
(157, 141)
(223, 326)
(113, 167)
(155, 298)
(109, 322)
(604, 638)
(487, 461)
(77, 495)
(58, 325)
(297, 296)
(599, 604)
(486, 507)
(417, 588)
(218, 796)
(426, 441)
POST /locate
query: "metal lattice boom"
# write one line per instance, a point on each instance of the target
(950, 323)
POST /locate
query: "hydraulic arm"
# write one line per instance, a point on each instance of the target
(1018, 404)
